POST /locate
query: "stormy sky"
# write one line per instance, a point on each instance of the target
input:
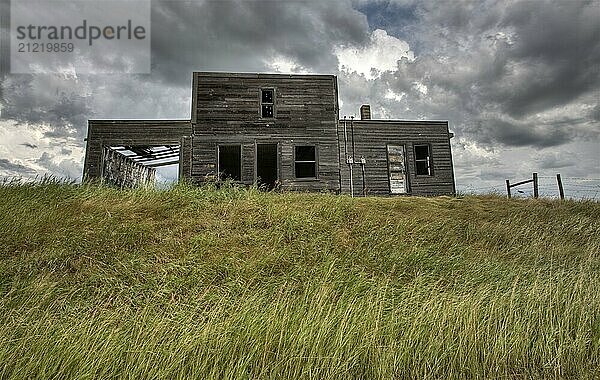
(518, 81)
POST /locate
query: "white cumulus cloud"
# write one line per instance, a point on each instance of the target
(381, 54)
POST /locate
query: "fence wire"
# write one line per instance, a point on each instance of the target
(573, 187)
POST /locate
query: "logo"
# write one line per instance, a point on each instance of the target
(55, 36)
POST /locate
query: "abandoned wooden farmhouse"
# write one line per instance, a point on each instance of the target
(275, 130)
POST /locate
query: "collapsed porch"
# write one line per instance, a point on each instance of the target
(126, 153)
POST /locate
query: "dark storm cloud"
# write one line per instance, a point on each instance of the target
(494, 131)
(559, 42)
(512, 59)
(244, 35)
(397, 18)
(6, 164)
(48, 101)
(594, 113)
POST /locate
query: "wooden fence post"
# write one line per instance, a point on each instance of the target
(508, 188)
(560, 187)
(535, 185)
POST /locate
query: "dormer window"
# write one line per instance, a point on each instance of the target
(267, 103)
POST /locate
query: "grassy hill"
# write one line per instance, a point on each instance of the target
(210, 284)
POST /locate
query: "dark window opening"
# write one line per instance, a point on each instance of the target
(266, 165)
(267, 103)
(267, 110)
(306, 162)
(267, 96)
(423, 159)
(230, 162)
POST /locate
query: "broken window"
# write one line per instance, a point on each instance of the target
(423, 159)
(230, 162)
(267, 103)
(305, 159)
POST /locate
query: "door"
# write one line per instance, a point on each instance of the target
(266, 165)
(230, 162)
(397, 169)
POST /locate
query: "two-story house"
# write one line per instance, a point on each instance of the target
(276, 130)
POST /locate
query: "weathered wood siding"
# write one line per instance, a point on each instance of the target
(226, 110)
(371, 138)
(102, 133)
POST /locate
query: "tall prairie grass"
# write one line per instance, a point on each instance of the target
(230, 283)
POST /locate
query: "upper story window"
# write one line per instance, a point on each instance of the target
(423, 159)
(267, 102)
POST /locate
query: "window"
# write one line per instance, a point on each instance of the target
(305, 160)
(230, 162)
(267, 103)
(423, 159)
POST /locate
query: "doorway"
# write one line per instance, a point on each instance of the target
(230, 162)
(266, 165)
(397, 169)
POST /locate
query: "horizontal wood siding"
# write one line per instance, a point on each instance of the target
(226, 111)
(103, 133)
(371, 139)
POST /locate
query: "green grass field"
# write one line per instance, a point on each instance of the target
(202, 283)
